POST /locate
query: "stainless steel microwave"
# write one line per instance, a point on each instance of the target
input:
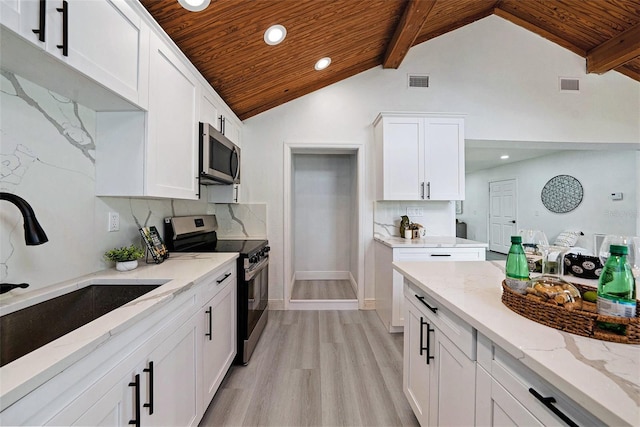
(219, 157)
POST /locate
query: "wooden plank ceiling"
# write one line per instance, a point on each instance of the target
(225, 41)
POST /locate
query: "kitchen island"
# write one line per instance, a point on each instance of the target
(62, 382)
(597, 379)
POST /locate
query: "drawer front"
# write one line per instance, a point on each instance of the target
(217, 281)
(457, 330)
(528, 389)
(439, 254)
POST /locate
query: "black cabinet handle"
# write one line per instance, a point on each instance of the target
(65, 28)
(235, 192)
(421, 299)
(440, 254)
(136, 385)
(428, 190)
(549, 403)
(210, 333)
(421, 191)
(223, 279)
(40, 31)
(149, 405)
(428, 346)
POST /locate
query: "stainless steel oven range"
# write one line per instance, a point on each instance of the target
(198, 234)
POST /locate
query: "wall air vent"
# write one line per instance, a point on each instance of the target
(569, 84)
(418, 80)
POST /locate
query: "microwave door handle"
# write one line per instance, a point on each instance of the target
(234, 154)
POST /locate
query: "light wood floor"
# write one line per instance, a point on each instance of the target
(317, 368)
(322, 289)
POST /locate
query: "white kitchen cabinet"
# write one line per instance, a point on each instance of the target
(389, 283)
(509, 392)
(439, 363)
(419, 157)
(228, 193)
(219, 344)
(120, 63)
(153, 154)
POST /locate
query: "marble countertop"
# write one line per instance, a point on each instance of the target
(430, 242)
(177, 274)
(601, 376)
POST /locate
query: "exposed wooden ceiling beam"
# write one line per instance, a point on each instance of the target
(614, 52)
(414, 17)
(539, 31)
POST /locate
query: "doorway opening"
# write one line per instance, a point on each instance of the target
(503, 213)
(324, 261)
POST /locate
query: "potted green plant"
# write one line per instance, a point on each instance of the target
(126, 258)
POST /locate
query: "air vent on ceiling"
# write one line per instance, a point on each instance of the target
(569, 84)
(418, 80)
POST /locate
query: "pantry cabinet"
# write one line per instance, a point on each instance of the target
(439, 363)
(389, 283)
(120, 63)
(419, 157)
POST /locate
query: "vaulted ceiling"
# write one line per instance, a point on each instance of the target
(225, 41)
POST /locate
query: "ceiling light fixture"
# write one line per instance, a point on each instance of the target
(322, 63)
(504, 156)
(194, 5)
(275, 34)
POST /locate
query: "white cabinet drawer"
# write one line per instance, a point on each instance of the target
(457, 330)
(440, 254)
(529, 390)
(218, 280)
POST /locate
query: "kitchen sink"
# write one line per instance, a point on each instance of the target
(26, 330)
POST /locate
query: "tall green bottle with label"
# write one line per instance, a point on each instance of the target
(616, 288)
(517, 270)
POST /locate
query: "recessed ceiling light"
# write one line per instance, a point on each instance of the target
(275, 34)
(322, 63)
(504, 156)
(194, 5)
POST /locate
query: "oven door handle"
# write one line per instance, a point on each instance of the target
(250, 274)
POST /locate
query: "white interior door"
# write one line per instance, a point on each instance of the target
(502, 214)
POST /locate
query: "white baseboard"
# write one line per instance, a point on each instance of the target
(369, 304)
(322, 275)
(325, 304)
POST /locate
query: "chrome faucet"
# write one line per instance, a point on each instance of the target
(33, 232)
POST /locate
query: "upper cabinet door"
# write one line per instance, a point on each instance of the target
(108, 42)
(402, 154)
(444, 158)
(174, 112)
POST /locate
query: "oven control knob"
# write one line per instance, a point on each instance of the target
(266, 249)
(253, 259)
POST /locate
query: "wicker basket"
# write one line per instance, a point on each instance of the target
(574, 321)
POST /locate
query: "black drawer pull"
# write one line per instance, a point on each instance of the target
(136, 385)
(65, 28)
(549, 403)
(40, 31)
(149, 405)
(440, 254)
(223, 279)
(428, 347)
(421, 299)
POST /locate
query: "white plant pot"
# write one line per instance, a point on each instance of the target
(127, 265)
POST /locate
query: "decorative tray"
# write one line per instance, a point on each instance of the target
(577, 322)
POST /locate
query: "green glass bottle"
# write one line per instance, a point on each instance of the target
(517, 270)
(616, 288)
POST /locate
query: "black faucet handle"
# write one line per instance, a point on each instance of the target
(6, 287)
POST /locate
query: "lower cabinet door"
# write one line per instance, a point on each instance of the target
(171, 380)
(218, 340)
(507, 411)
(417, 372)
(453, 385)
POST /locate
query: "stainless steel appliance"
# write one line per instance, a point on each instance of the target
(219, 157)
(198, 234)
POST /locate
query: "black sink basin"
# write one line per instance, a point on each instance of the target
(28, 329)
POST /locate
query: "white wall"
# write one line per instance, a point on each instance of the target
(599, 172)
(323, 202)
(504, 78)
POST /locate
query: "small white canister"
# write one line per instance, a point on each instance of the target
(408, 234)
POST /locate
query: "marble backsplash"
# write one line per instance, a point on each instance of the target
(47, 157)
(438, 218)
